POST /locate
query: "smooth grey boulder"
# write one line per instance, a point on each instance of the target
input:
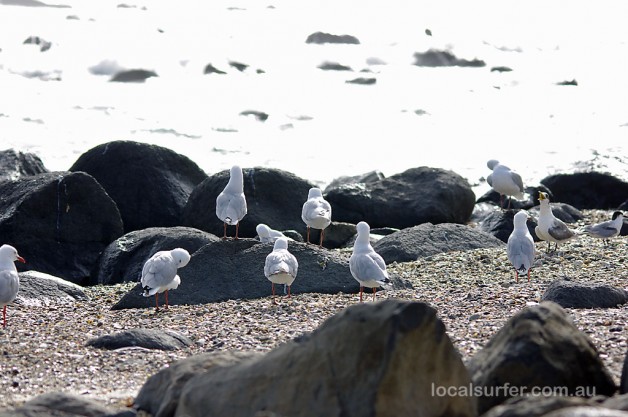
(322, 38)
(234, 269)
(415, 196)
(150, 184)
(59, 222)
(371, 359)
(14, 165)
(59, 404)
(428, 239)
(586, 411)
(570, 294)
(133, 76)
(160, 393)
(367, 177)
(438, 58)
(535, 405)
(588, 190)
(538, 348)
(39, 289)
(123, 259)
(145, 338)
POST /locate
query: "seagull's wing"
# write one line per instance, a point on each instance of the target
(559, 230)
(489, 179)
(281, 261)
(231, 208)
(159, 271)
(368, 266)
(520, 251)
(9, 286)
(602, 230)
(516, 178)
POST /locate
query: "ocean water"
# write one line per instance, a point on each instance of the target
(59, 103)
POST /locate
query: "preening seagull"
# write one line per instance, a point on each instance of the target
(159, 273)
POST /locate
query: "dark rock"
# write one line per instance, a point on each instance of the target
(38, 289)
(586, 411)
(259, 115)
(210, 69)
(43, 44)
(133, 76)
(562, 211)
(415, 196)
(160, 394)
(321, 38)
(538, 347)
(532, 194)
(150, 184)
(617, 402)
(623, 385)
(531, 405)
(60, 222)
(362, 81)
(334, 66)
(145, 338)
(14, 165)
(370, 359)
(569, 294)
(501, 69)
(274, 197)
(238, 65)
(427, 239)
(234, 269)
(500, 224)
(587, 190)
(123, 259)
(369, 177)
(436, 58)
(570, 82)
(59, 404)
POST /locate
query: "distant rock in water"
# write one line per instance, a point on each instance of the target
(31, 3)
(210, 69)
(238, 65)
(567, 82)
(133, 76)
(259, 115)
(362, 81)
(501, 69)
(321, 38)
(43, 44)
(106, 67)
(435, 58)
(14, 165)
(334, 66)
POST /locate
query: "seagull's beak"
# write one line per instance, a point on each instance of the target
(19, 258)
(541, 195)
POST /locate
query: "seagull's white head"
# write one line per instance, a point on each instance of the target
(181, 256)
(262, 230)
(363, 228)
(520, 219)
(618, 214)
(543, 196)
(492, 163)
(314, 192)
(9, 252)
(281, 243)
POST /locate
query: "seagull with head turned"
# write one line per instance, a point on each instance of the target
(608, 229)
(9, 278)
(504, 181)
(366, 265)
(316, 213)
(231, 203)
(281, 266)
(159, 273)
(550, 228)
(520, 246)
(268, 235)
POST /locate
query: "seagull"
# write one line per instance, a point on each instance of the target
(268, 235)
(549, 227)
(316, 212)
(520, 247)
(281, 266)
(607, 229)
(231, 203)
(9, 279)
(504, 181)
(366, 265)
(159, 273)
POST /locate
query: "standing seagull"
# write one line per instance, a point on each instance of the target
(607, 229)
(316, 212)
(281, 266)
(160, 273)
(504, 181)
(521, 246)
(549, 227)
(9, 279)
(231, 203)
(366, 265)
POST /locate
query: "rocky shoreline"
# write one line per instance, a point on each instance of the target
(474, 293)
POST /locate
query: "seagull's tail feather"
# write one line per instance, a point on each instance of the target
(148, 291)
(522, 270)
(386, 283)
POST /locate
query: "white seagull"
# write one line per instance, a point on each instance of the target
(607, 229)
(520, 247)
(159, 273)
(549, 227)
(268, 235)
(9, 279)
(281, 266)
(504, 181)
(316, 212)
(366, 265)
(231, 203)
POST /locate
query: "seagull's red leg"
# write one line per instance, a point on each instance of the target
(529, 274)
(361, 289)
(289, 291)
(373, 293)
(156, 301)
(166, 300)
(237, 228)
(273, 287)
(4, 316)
(516, 276)
(224, 235)
(308, 234)
(320, 245)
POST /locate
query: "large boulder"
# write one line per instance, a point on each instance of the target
(535, 405)
(274, 197)
(538, 348)
(234, 269)
(123, 259)
(14, 165)
(415, 196)
(425, 240)
(570, 294)
(60, 404)
(500, 224)
(60, 222)
(150, 184)
(322, 38)
(145, 338)
(391, 358)
(588, 190)
(39, 289)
